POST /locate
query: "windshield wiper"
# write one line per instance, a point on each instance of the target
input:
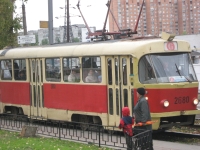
(179, 73)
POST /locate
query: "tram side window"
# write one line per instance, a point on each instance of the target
(109, 71)
(19, 66)
(71, 70)
(116, 71)
(111, 101)
(124, 71)
(6, 70)
(131, 68)
(52, 67)
(146, 73)
(117, 101)
(110, 68)
(91, 69)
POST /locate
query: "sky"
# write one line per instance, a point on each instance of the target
(37, 10)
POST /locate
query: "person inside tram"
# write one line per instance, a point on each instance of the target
(72, 76)
(91, 78)
(6, 72)
(16, 70)
(22, 75)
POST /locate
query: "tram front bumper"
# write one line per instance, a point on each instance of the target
(158, 117)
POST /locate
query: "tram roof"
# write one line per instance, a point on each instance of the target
(113, 47)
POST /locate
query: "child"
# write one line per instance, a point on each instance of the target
(126, 123)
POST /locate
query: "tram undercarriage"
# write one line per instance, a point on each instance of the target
(169, 122)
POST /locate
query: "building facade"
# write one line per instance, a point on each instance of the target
(175, 16)
(42, 35)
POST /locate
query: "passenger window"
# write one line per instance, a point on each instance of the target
(131, 69)
(116, 71)
(52, 66)
(109, 71)
(111, 101)
(91, 69)
(117, 102)
(19, 66)
(124, 71)
(71, 70)
(6, 70)
(125, 98)
(132, 99)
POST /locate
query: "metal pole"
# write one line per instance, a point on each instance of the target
(24, 18)
(65, 24)
(114, 19)
(136, 25)
(104, 27)
(68, 21)
(50, 21)
(78, 6)
(59, 131)
(99, 136)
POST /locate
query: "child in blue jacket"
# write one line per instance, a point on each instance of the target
(125, 124)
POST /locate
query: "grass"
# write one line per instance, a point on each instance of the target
(13, 141)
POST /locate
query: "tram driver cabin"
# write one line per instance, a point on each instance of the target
(92, 82)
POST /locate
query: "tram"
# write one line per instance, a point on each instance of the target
(91, 82)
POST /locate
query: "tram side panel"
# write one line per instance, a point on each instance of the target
(82, 99)
(15, 94)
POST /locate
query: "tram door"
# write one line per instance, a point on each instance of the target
(36, 87)
(120, 89)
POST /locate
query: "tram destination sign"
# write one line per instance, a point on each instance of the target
(26, 39)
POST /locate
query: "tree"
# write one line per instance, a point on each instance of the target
(57, 40)
(184, 32)
(8, 25)
(75, 40)
(45, 42)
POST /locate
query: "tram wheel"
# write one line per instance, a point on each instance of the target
(84, 120)
(14, 112)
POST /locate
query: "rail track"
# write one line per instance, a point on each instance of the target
(183, 135)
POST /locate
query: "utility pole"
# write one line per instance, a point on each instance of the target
(68, 21)
(50, 21)
(65, 24)
(68, 35)
(24, 18)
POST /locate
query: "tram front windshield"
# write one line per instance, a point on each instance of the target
(164, 68)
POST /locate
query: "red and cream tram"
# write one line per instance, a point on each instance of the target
(91, 82)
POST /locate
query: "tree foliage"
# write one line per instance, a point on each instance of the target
(75, 40)
(57, 40)
(184, 32)
(9, 25)
(45, 42)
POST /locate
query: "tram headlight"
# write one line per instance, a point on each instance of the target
(165, 103)
(196, 102)
(146, 98)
